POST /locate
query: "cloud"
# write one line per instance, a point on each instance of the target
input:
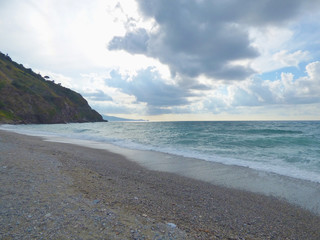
(206, 37)
(152, 95)
(133, 42)
(148, 87)
(287, 90)
(114, 108)
(285, 96)
(308, 87)
(99, 95)
(63, 37)
(286, 59)
(269, 12)
(172, 57)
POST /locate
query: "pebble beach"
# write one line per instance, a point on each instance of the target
(62, 191)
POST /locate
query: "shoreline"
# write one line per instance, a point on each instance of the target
(63, 190)
(288, 171)
(300, 192)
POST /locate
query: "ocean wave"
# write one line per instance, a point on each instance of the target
(271, 131)
(290, 152)
(82, 130)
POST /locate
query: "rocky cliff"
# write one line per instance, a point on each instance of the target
(27, 97)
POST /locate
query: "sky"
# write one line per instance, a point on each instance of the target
(166, 60)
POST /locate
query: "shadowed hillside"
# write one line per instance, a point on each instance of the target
(26, 97)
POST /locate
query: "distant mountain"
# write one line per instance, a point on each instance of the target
(27, 97)
(116, 119)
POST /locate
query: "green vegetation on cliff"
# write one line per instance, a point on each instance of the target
(26, 97)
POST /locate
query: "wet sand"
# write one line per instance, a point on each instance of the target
(62, 191)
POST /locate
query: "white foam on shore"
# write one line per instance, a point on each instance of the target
(301, 192)
(305, 194)
(268, 167)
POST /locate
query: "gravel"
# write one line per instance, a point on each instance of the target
(61, 191)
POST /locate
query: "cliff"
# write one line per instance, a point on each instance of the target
(27, 97)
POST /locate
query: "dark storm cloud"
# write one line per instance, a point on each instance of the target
(197, 37)
(270, 12)
(251, 12)
(133, 42)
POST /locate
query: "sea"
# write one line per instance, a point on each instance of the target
(278, 158)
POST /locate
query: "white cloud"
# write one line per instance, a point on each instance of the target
(285, 59)
(310, 86)
(287, 97)
(67, 36)
(313, 70)
(287, 90)
(276, 48)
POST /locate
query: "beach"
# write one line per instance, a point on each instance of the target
(62, 191)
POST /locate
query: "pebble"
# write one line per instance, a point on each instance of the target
(73, 215)
(172, 225)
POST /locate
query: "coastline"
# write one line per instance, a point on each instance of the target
(300, 192)
(56, 190)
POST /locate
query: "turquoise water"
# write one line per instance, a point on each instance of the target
(286, 148)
